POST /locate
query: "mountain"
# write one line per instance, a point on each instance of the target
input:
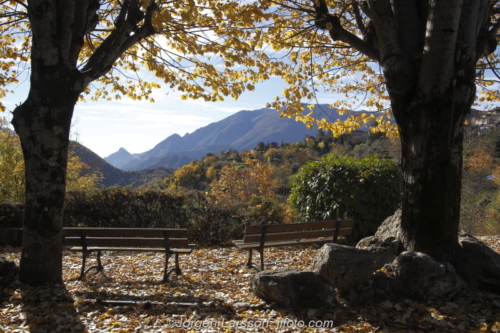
(119, 158)
(114, 176)
(242, 130)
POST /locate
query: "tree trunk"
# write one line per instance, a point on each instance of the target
(43, 124)
(432, 141)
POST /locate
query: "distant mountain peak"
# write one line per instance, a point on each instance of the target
(119, 158)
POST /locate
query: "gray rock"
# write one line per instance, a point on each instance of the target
(343, 267)
(420, 275)
(445, 286)
(293, 289)
(412, 275)
(380, 287)
(391, 227)
(478, 264)
(385, 249)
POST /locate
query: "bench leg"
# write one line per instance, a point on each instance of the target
(177, 268)
(166, 273)
(261, 259)
(84, 259)
(99, 265)
(249, 263)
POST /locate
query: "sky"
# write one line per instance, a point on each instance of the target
(106, 126)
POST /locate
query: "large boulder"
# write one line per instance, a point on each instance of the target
(391, 227)
(384, 249)
(343, 267)
(422, 276)
(478, 264)
(293, 289)
(412, 275)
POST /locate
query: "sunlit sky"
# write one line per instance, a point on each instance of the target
(104, 127)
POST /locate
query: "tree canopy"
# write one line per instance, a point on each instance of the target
(183, 43)
(422, 60)
(94, 49)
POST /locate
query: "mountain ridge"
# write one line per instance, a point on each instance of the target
(241, 130)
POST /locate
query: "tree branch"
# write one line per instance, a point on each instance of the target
(85, 19)
(359, 18)
(126, 34)
(326, 21)
(408, 26)
(436, 70)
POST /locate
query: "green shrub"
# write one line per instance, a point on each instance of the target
(11, 215)
(208, 222)
(367, 190)
(212, 223)
(262, 210)
(123, 207)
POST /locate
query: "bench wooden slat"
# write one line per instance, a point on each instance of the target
(273, 235)
(136, 249)
(345, 232)
(254, 246)
(89, 240)
(270, 237)
(257, 229)
(128, 241)
(124, 232)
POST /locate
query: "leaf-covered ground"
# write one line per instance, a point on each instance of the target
(213, 295)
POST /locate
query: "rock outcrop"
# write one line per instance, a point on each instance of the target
(412, 275)
(343, 267)
(293, 289)
(384, 249)
(478, 264)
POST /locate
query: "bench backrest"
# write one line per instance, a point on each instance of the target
(126, 237)
(292, 231)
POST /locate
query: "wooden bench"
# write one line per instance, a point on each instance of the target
(88, 240)
(273, 235)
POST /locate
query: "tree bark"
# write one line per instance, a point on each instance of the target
(43, 125)
(428, 51)
(43, 121)
(432, 141)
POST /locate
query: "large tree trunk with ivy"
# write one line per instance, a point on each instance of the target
(43, 121)
(428, 51)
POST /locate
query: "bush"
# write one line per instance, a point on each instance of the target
(11, 215)
(208, 221)
(367, 190)
(212, 223)
(121, 207)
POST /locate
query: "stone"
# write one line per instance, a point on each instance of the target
(445, 286)
(412, 275)
(385, 249)
(382, 286)
(343, 267)
(391, 227)
(478, 264)
(422, 276)
(293, 289)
